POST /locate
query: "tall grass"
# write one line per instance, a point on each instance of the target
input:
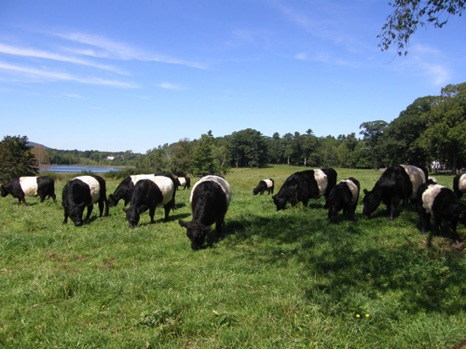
(287, 279)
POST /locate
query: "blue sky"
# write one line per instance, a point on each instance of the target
(116, 75)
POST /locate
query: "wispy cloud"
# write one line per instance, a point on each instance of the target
(33, 53)
(170, 86)
(36, 74)
(431, 63)
(105, 48)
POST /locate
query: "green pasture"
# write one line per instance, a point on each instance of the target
(287, 279)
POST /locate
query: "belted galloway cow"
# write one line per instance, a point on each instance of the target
(344, 196)
(441, 203)
(210, 198)
(147, 194)
(304, 185)
(396, 183)
(82, 192)
(42, 186)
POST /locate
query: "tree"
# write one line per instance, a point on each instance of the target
(16, 158)
(446, 127)
(401, 140)
(248, 148)
(372, 132)
(408, 15)
(41, 154)
(203, 160)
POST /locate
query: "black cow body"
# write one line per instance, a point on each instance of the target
(396, 183)
(125, 189)
(264, 185)
(184, 182)
(344, 196)
(459, 185)
(441, 203)
(146, 196)
(210, 198)
(304, 185)
(42, 186)
(81, 192)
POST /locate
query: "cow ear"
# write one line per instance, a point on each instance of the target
(182, 223)
(365, 191)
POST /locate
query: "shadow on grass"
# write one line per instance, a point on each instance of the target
(347, 258)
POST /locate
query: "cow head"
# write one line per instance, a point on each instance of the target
(76, 214)
(112, 201)
(196, 232)
(371, 201)
(133, 216)
(333, 207)
(279, 201)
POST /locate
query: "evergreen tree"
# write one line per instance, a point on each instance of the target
(16, 158)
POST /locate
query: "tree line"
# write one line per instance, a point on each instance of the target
(431, 129)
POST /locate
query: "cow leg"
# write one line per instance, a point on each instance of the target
(167, 209)
(453, 224)
(351, 213)
(219, 227)
(394, 203)
(22, 200)
(101, 207)
(151, 214)
(425, 221)
(89, 211)
(66, 216)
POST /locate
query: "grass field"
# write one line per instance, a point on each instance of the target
(287, 279)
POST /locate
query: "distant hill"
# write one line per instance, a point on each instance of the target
(34, 144)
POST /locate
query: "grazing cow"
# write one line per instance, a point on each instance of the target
(125, 189)
(344, 196)
(184, 182)
(442, 203)
(147, 195)
(81, 192)
(459, 185)
(209, 199)
(396, 183)
(42, 186)
(265, 184)
(305, 185)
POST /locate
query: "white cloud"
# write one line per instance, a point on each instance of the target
(170, 86)
(47, 74)
(301, 56)
(431, 63)
(105, 48)
(33, 53)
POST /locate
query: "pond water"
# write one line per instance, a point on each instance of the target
(76, 168)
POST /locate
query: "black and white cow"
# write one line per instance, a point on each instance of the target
(125, 189)
(146, 196)
(304, 185)
(81, 192)
(344, 196)
(210, 198)
(263, 185)
(42, 186)
(396, 183)
(459, 185)
(184, 182)
(441, 203)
